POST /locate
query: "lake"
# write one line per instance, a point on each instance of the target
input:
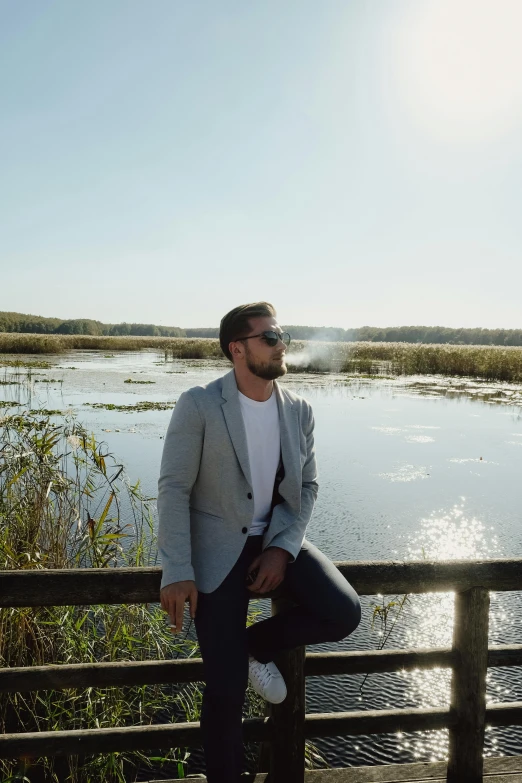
(409, 467)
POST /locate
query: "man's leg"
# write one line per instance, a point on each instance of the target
(328, 608)
(221, 628)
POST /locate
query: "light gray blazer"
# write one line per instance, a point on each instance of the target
(205, 502)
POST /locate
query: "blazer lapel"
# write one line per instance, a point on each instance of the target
(290, 487)
(235, 424)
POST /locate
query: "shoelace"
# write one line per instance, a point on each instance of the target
(261, 673)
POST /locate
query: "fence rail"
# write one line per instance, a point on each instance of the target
(287, 726)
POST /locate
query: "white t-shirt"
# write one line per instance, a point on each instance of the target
(263, 436)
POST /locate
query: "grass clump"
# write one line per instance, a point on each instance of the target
(129, 380)
(137, 407)
(27, 364)
(45, 412)
(175, 347)
(61, 501)
(478, 361)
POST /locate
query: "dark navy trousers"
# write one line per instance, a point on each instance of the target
(327, 610)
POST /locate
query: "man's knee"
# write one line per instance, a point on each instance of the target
(347, 619)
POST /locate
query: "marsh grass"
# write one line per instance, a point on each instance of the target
(136, 407)
(501, 363)
(377, 359)
(61, 498)
(174, 347)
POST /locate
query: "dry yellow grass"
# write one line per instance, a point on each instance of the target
(503, 363)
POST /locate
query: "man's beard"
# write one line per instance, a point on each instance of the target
(267, 370)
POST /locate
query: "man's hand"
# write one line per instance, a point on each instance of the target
(172, 599)
(272, 566)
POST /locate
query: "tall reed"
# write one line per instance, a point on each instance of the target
(62, 498)
(175, 347)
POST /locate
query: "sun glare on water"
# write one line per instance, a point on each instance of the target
(444, 535)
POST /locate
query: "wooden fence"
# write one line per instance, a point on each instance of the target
(287, 726)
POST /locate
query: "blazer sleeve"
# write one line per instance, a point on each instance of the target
(293, 533)
(179, 470)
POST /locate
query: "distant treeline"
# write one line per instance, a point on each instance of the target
(36, 324)
(18, 322)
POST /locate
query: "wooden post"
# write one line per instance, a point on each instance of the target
(468, 686)
(287, 750)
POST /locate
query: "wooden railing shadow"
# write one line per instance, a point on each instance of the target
(287, 726)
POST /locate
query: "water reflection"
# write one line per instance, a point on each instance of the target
(453, 535)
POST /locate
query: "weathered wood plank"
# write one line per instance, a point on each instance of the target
(372, 661)
(468, 687)
(496, 770)
(330, 724)
(83, 675)
(90, 586)
(287, 749)
(51, 743)
(255, 729)
(505, 655)
(505, 714)
(94, 741)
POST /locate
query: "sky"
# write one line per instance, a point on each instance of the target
(353, 163)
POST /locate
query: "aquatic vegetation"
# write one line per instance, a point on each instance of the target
(136, 407)
(45, 412)
(29, 364)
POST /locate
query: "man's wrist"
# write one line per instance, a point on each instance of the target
(280, 549)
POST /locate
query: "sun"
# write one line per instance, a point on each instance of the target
(457, 66)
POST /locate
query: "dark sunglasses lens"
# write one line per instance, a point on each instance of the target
(272, 338)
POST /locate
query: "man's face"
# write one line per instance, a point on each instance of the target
(262, 360)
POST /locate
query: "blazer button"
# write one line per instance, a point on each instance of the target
(245, 530)
(249, 496)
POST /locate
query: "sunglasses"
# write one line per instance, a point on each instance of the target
(271, 338)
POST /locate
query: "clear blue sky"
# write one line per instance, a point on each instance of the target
(352, 162)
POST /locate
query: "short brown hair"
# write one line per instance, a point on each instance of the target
(236, 323)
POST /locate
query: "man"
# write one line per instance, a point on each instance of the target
(237, 487)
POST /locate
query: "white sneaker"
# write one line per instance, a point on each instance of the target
(267, 680)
